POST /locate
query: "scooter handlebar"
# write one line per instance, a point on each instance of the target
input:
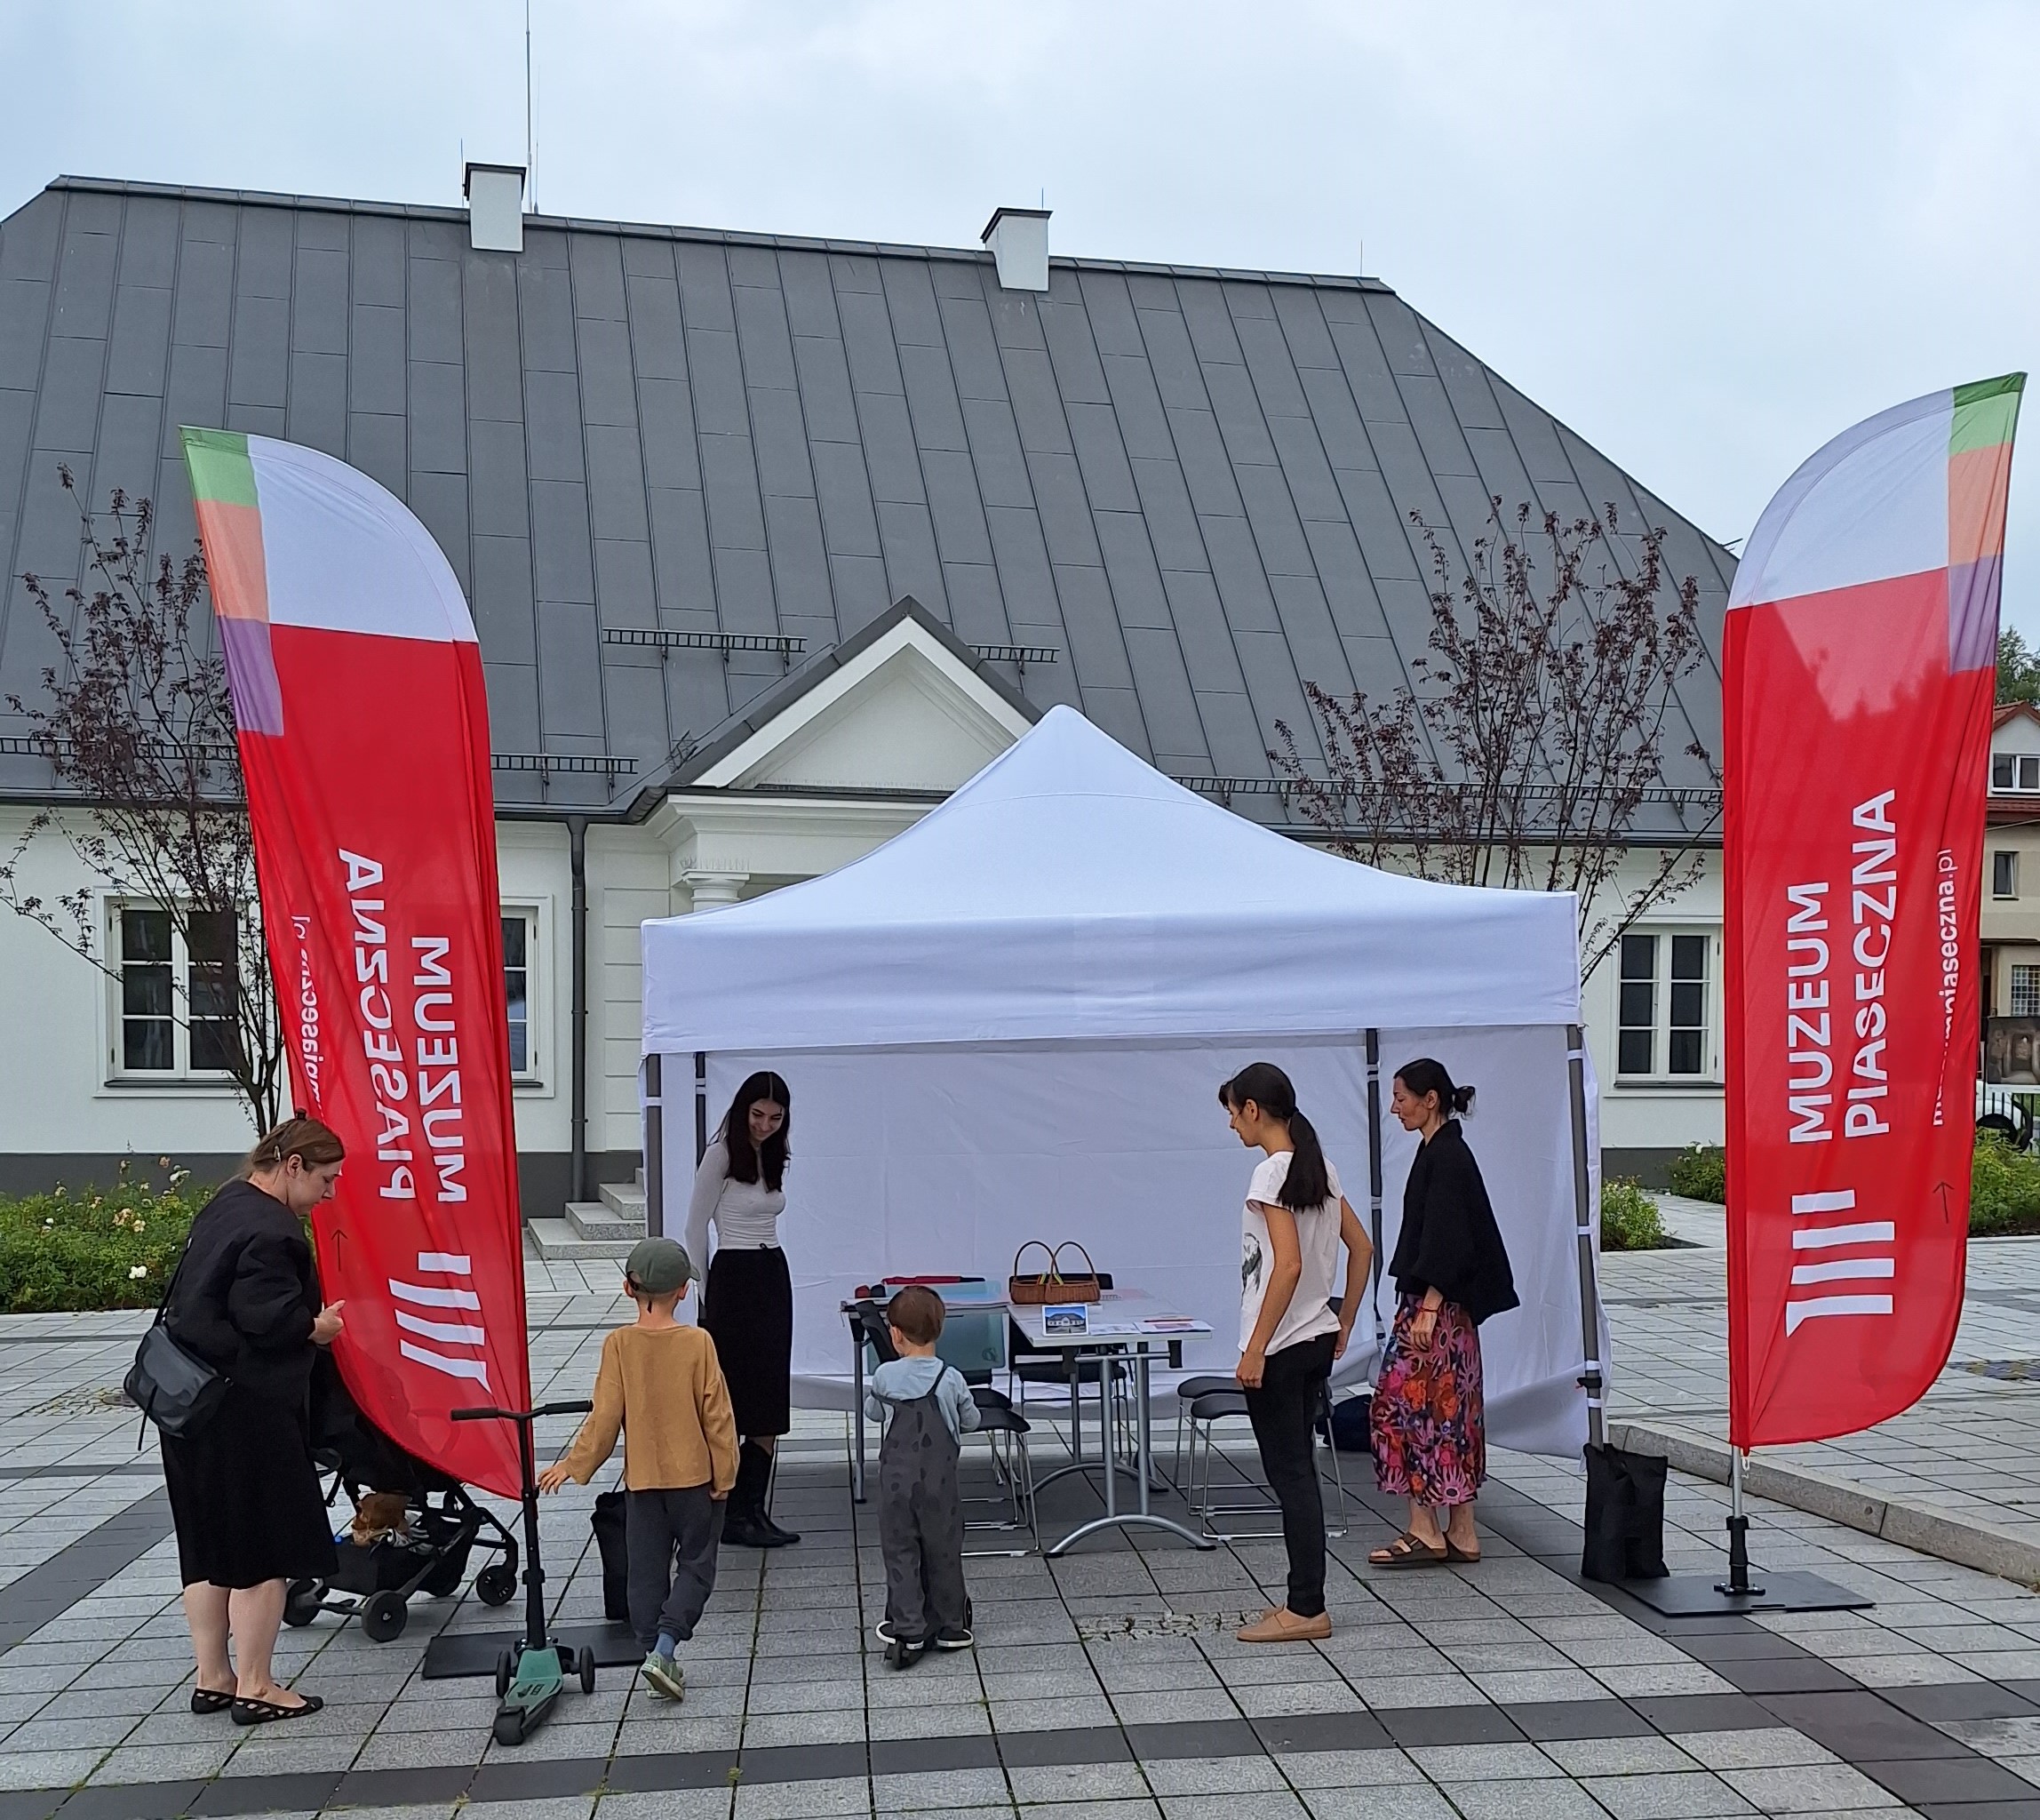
(495, 1415)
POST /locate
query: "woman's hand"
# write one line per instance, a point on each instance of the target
(327, 1326)
(553, 1478)
(1253, 1363)
(1344, 1336)
(1423, 1324)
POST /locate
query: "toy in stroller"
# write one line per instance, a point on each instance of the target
(414, 1530)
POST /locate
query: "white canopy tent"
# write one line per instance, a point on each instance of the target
(1010, 1022)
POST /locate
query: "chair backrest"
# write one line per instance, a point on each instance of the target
(871, 1324)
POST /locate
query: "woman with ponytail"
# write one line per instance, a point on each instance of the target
(1452, 1271)
(1293, 1225)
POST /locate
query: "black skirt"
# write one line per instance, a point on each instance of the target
(747, 1308)
(245, 1495)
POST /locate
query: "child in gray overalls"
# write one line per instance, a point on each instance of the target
(927, 1408)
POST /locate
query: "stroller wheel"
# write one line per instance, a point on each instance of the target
(384, 1616)
(496, 1585)
(586, 1664)
(303, 1602)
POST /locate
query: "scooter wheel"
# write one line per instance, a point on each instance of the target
(509, 1728)
(383, 1617)
(496, 1585)
(502, 1670)
(303, 1602)
(587, 1668)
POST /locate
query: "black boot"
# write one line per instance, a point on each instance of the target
(781, 1537)
(743, 1520)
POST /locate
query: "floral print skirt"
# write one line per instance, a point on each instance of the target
(1429, 1436)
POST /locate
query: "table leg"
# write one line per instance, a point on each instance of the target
(857, 1392)
(1143, 1453)
(1105, 1430)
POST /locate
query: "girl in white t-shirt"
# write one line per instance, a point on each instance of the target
(1291, 1230)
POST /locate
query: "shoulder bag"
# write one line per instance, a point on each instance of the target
(171, 1386)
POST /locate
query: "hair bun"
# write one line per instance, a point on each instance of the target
(1462, 1099)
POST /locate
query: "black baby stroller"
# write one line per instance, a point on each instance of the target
(443, 1525)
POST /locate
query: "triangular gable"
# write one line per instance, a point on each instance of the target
(902, 707)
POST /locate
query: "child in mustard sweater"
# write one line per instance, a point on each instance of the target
(659, 1382)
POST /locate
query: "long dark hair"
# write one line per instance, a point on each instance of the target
(1424, 1076)
(1308, 1186)
(748, 1161)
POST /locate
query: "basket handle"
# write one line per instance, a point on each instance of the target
(1054, 1258)
(1023, 1251)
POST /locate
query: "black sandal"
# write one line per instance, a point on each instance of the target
(267, 1711)
(1454, 1552)
(1407, 1552)
(207, 1701)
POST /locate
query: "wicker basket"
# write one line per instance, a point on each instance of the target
(1051, 1285)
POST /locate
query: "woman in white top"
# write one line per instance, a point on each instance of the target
(1294, 1222)
(747, 1296)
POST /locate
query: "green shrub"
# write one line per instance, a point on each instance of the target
(1699, 1172)
(1629, 1218)
(2004, 1189)
(97, 1247)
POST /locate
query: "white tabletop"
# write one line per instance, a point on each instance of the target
(1123, 1317)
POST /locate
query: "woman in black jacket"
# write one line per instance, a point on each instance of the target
(1429, 1430)
(244, 1491)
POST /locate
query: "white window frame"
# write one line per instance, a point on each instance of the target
(2024, 764)
(181, 1073)
(1998, 857)
(2012, 985)
(536, 1079)
(1711, 1076)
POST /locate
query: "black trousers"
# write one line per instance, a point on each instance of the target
(1283, 1411)
(672, 1536)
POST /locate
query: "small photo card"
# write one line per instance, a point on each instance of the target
(1065, 1317)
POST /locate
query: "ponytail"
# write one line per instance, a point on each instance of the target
(1424, 1076)
(1308, 1185)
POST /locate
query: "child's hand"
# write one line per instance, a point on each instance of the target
(553, 1478)
(719, 1497)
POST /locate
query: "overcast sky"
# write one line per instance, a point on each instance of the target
(1707, 237)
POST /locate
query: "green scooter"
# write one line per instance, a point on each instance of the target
(530, 1674)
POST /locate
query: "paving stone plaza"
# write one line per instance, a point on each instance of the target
(1106, 1685)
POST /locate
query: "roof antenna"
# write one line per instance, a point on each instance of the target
(530, 141)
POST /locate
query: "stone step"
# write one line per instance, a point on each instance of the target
(597, 1220)
(557, 1242)
(625, 1199)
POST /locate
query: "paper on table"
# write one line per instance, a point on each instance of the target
(1171, 1323)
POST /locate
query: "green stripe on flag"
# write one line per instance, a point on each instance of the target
(221, 470)
(1985, 413)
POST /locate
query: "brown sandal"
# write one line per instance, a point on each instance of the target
(1407, 1552)
(1456, 1553)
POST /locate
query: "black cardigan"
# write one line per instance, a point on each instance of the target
(247, 1293)
(1449, 1241)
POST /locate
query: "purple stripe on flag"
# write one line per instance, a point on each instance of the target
(251, 676)
(1972, 613)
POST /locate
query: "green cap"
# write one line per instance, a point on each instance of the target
(658, 1266)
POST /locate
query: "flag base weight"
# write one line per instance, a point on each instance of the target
(1708, 1595)
(1703, 1595)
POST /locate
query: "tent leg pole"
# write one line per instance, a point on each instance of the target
(654, 1149)
(700, 1109)
(1590, 1377)
(1374, 1180)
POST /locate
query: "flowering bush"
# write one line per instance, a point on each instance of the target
(95, 1247)
(1629, 1218)
(1699, 1172)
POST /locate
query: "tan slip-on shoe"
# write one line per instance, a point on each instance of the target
(1282, 1625)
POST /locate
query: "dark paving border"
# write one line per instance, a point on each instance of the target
(79, 1569)
(150, 1468)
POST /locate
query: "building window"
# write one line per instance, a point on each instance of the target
(1663, 1011)
(519, 954)
(2026, 992)
(2015, 770)
(2004, 875)
(176, 993)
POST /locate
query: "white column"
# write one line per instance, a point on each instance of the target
(714, 889)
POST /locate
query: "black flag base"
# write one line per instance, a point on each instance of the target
(1706, 1595)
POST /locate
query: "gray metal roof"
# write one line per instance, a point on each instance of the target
(1183, 491)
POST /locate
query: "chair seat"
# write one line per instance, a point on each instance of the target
(986, 1398)
(1055, 1371)
(992, 1420)
(1215, 1405)
(1192, 1388)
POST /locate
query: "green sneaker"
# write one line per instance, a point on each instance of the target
(663, 1674)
